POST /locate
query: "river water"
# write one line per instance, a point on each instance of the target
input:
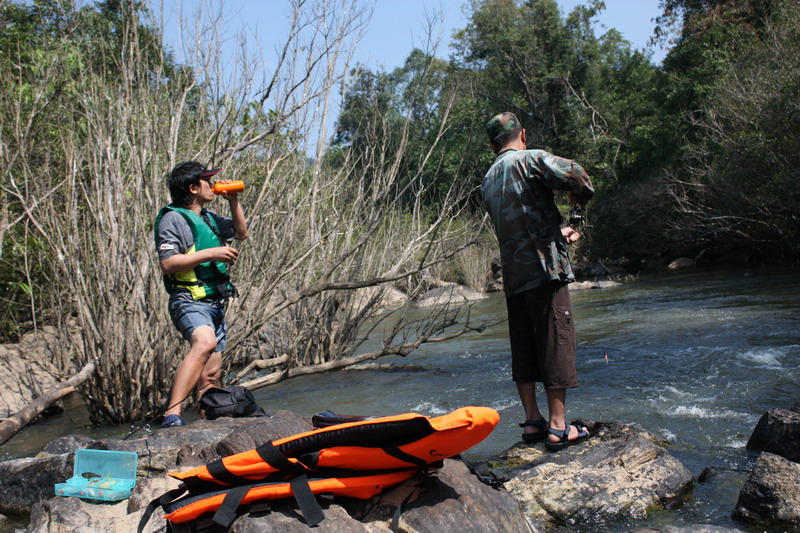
(695, 357)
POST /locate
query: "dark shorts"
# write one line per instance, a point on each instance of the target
(188, 315)
(542, 335)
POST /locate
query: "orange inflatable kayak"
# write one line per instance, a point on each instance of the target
(356, 459)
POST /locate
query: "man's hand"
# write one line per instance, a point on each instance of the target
(570, 235)
(227, 194)
(226, 254)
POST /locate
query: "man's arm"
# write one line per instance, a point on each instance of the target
(174, 236)
(183, 262)
(565, 175)
(237, 214)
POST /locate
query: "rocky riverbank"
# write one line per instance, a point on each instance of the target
(620, 473)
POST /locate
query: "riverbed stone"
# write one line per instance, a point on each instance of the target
(778, 432)
(682, 263)
(619, 472)
(771, 494)
(690, 528)
(596, 284)
(449, 294)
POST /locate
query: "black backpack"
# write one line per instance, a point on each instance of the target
(230, 401)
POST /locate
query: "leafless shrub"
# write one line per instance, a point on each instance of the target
(317, 234)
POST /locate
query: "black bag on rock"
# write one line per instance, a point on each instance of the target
(230, 401)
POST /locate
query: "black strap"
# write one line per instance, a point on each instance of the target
(165, 499)
(272, 455)
(226, 513)
(483, 474)
(397, 453)
(309, 505)
(221, 473)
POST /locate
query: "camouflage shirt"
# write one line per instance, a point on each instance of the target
(518, 193)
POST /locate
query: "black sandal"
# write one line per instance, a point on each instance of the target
(539, 435)
(563, 434)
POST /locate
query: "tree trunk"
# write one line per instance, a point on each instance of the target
(11, 425)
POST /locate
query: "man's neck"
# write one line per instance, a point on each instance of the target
(195, 207)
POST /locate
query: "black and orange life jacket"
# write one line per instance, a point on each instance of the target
(356, 459)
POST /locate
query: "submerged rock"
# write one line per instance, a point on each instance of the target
(778, 432)
(448, 295)
(597, 284)
(771, 494)
(619, 472)
(691, 528)
(681, 263)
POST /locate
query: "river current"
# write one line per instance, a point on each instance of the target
(695, 357)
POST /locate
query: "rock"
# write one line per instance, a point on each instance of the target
(66, 444)
(778, 432)
(27, 369)
(73, 515)
(602, 284)
(285, 519)
(618, 473)
(24, 482)
(690, 528)
(771, 494)
(452, 500)
(681, 263)
(159, 450)
(449, 294)
(455, 501)
(281, 424)
(385, 296)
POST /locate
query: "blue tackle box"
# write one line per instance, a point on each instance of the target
(101, 475)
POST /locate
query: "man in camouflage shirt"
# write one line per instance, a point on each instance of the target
(518, 192)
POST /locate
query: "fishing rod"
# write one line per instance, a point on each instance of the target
(161, 414)
(577, 218)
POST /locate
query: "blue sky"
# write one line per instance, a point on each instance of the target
(397, 26)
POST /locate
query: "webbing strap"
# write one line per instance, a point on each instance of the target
(309, 505)
(166, 498)
(221, 473)
(272, 455)
(226, 513)
(397, 453)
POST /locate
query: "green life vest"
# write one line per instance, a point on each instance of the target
(206, 280)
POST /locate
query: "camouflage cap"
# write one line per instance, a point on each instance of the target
(500, 124)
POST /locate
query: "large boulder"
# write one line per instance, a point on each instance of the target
(28, 369)
(771, 494)
(620, 472)
(451, 500)
(778, 432)
(24, 482)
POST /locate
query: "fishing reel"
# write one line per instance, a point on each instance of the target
(577, 218)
